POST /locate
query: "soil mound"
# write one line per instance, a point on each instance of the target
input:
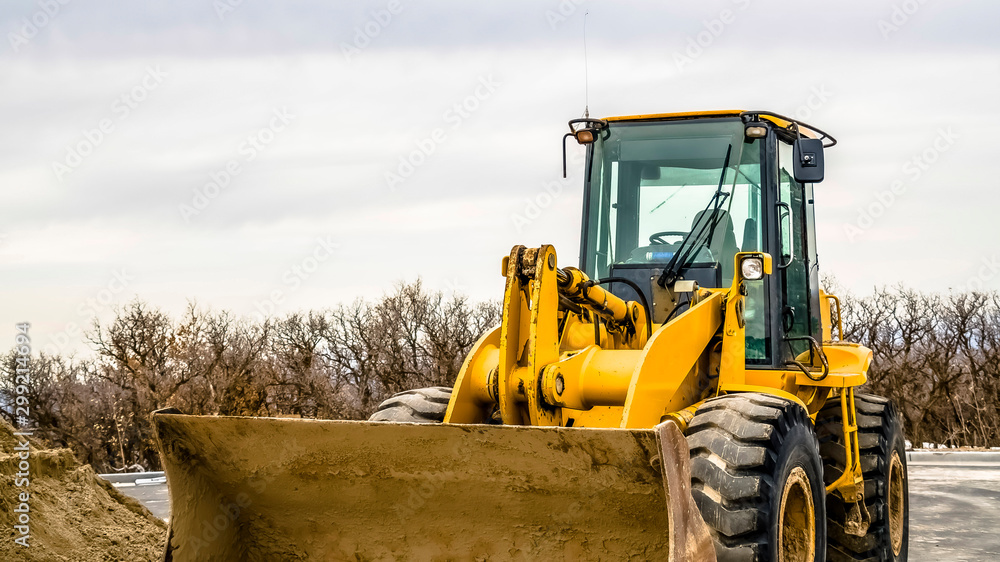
(73, 514)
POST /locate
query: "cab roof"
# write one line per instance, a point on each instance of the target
(783, 123)
(681, 115)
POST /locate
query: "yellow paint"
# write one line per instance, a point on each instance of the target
(703, 114)
(470, 408)
(732, 370)
(850, 484)
(848, 362)
(665, 378)
(680, 115)
(543, 335)
(515, 316)
(592, 377)
(825, 300)
(824, 316)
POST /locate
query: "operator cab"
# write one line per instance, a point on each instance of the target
(671, 199)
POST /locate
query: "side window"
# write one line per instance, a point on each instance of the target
(792, 258)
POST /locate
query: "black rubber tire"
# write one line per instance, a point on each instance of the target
(880, 437)
(744, 450)
(421, 405)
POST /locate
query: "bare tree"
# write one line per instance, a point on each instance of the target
(937, 356)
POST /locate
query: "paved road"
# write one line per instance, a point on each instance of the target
(954, 512)
(153, 496)
(150, 488)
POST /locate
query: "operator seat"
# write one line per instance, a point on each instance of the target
(750, 242)
(723, 243)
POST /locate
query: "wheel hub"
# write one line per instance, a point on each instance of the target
(797, 523)
(897, 512)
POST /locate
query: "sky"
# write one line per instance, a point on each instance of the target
(268, 157)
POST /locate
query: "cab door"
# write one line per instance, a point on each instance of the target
(797, 268)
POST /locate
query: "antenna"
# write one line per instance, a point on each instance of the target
(586, 74)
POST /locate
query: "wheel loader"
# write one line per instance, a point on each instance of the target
(683, 393)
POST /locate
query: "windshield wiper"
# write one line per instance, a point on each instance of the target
(683, 253)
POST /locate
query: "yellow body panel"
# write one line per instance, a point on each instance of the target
(483, 356)
(665, 377)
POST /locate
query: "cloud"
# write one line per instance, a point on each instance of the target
(358, 118)
(199, 28)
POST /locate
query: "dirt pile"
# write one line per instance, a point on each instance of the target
(72, 514)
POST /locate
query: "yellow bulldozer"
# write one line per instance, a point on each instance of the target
(685, 393)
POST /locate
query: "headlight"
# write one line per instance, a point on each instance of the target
(752, 268)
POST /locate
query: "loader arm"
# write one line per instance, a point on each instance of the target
(523, 373)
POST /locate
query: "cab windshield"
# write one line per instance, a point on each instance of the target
(686, 192)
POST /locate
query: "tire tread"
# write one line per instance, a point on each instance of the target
(734, 442)
(877, 419)
(421, 405)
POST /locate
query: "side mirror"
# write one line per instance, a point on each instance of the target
(807, 155)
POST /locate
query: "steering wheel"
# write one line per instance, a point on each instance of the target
(657, 238)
